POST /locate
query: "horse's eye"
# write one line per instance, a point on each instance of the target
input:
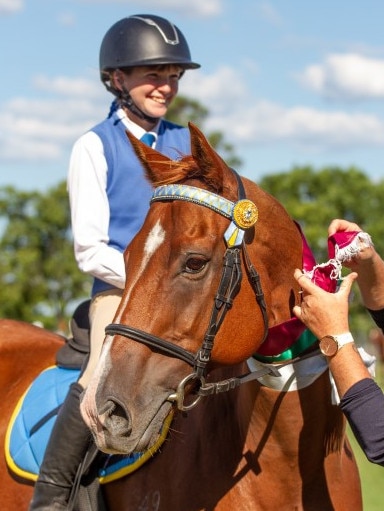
(195, 264)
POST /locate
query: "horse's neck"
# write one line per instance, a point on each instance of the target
(290, 418)
(250, 420)
(253, 413)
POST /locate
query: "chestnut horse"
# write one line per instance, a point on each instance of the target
(25, 351)
(209, 276)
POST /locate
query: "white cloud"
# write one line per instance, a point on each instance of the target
(203, 8)
(268, 122)
(269, 12)
(67, 19)
(44, 128)
(235, 110)
(11, 6)
(222, 90)
(346, 76)
(70, 87)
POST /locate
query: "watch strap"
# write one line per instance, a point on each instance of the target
(343, 339)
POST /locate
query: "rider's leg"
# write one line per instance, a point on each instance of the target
(101, 313)
(70, 436)
(66, 448)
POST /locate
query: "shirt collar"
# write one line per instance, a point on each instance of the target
(134, 128)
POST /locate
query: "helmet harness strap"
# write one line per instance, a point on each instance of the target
(126, 101)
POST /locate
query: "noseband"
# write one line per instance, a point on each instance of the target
(243, 215)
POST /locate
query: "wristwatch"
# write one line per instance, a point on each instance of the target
(330, 344)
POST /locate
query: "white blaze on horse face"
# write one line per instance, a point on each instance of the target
(154, 240)
(104, 366)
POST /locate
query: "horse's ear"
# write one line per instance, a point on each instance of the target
(210, 163)
(152, 160)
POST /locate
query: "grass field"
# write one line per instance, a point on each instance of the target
(372, 477)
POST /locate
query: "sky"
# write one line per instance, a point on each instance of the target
(287, 82)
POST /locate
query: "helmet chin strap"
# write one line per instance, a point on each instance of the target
(127, 102)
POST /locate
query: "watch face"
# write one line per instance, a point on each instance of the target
(328, 346)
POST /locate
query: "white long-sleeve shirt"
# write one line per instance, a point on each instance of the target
(90, 214)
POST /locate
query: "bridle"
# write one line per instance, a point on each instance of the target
(243, 215)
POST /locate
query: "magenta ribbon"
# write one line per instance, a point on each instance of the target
(283, 336)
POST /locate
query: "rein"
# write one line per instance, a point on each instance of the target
(243, 215)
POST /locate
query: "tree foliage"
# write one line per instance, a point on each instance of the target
(38, 273)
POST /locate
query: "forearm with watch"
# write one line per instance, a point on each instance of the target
(344, 360)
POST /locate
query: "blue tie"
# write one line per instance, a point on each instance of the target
(148, 139)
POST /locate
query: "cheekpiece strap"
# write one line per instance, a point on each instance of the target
(243, 213)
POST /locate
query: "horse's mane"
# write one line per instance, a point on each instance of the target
(179, 171)
(204, 165)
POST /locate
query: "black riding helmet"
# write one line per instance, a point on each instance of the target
(142, 40)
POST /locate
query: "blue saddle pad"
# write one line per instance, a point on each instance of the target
(34, 417)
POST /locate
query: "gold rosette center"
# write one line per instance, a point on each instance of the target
(245, 214)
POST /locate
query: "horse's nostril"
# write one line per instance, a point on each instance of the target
(115, 417)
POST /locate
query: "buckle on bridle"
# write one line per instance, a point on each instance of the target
(179, 396)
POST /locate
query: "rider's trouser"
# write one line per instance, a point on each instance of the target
(70, 436)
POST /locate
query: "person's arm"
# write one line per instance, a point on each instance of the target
(362, 400)
(90, 212)
(327, 314)
(368, 265)
(363, 406)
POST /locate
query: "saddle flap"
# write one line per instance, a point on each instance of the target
(33, 419)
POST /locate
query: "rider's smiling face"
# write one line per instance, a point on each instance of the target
(152, 88)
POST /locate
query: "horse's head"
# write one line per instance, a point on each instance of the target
(210, 270)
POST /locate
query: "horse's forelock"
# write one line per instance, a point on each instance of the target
(179, 171)
(172, 171)
(203, 164)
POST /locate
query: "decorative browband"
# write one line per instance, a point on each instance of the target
(243, 213)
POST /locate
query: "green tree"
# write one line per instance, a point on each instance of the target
(38, 274)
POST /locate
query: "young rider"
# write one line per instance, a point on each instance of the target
(142, 59)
